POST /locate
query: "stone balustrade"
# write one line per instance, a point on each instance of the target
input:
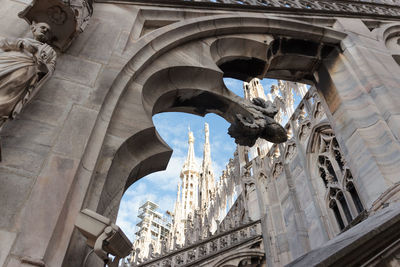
(207, 248)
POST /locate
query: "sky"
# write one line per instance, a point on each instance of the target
(161, 187)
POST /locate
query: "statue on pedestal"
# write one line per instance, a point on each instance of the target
(25, 64)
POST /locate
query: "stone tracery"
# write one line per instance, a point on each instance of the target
(341, 195)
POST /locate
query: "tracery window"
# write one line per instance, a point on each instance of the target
(341, 194)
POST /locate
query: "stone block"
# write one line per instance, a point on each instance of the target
(8, 16)
(282, 186)
(352, 25)
(288, 212)
(23, 155)
(14, 190)
(99, 34)
(62, 92)
(126, 14)
(272, 195)
(302, 191)
(13, 262)
(34, 131)
(277, 219)
(122, 41)
(44, 206)
(77, 70)
(72, 142)
(316, 235)
(282, 243)
(51, 114)
(6, 241)
(102, 87)
(104, 37)
(353, 247)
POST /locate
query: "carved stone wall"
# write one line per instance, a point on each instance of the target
(88, 135)
(308, 192)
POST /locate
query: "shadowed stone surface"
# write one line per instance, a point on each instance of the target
(88, 134)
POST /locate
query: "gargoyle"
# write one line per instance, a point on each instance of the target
(257, 123)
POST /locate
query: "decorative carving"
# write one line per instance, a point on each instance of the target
(290, 151)
(207, 248)
(223, 242)
(304, 130)
(166, 263)
(25, 64)
(234, 238)
(257, 123)
(278, 168)
(318, 110)
(67, 18)
(179, 259)
(151, 251)
(164, 249)
(191, 256)
(57, 15)
(243, 234)
(214, 246)
(337, 179)
(379, 7)
(203, 250)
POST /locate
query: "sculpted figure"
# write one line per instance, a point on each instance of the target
(25, 64)
(258, 123)
(151, 251)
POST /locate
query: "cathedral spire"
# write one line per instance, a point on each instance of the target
(190, 163)
(206, 186)
(206, 153)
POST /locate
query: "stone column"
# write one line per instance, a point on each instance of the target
(360, 86)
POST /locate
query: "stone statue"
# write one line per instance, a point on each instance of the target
(137, 259)
(151, 251)
(164, 249)
(25, 64)
(257, 123)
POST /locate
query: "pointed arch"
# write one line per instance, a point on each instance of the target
(326, 161)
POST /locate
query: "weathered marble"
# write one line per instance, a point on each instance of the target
(114, 70)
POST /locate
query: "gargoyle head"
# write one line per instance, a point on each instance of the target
(258, 122)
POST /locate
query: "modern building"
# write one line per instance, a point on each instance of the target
(153, 230)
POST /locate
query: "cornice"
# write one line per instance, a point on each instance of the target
(378, 9)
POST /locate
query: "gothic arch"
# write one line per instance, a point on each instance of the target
(331, 174)
(165, 54)
(290, 150)
(390, 36)
(314, 132)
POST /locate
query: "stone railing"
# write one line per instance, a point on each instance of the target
(193, 255)
(374, 8)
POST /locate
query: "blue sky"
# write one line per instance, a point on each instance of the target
(161, 187)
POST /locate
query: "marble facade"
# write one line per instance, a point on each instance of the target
(87, 134)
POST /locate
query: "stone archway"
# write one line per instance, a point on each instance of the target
(182, 64)
(182, 80)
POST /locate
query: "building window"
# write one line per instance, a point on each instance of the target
(342, 198)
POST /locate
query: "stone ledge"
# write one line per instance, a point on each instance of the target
(358, 244)
(297, 7)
